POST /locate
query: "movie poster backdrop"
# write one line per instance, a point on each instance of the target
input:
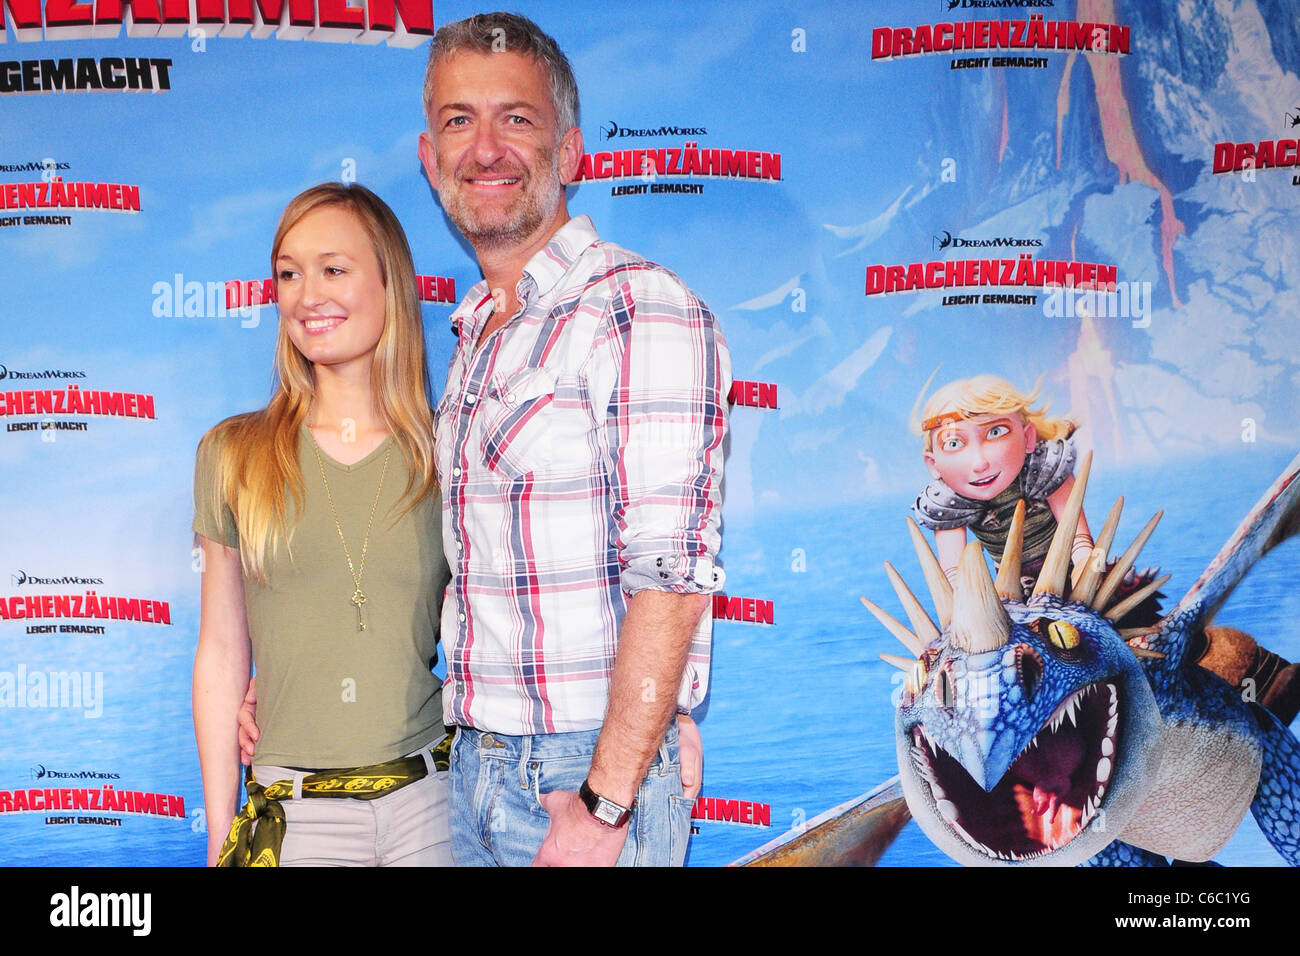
(872, 196)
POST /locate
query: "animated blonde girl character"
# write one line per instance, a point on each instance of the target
(986, 448)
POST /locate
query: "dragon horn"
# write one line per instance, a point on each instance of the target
(1128, 633)
(1122, 566)
(1088, 577)
(979, 622)
(1141, 652)
(921, 623)
(909, 639)
(904, 664)
(935, 579)
(1136, 598)
(1008, 583)
(1051, 580)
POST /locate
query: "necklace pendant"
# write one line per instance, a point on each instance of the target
(359, 598)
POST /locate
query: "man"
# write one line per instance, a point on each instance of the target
(580, 458)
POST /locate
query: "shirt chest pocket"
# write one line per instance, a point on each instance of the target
(516, 419)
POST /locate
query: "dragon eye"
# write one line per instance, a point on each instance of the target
(915, 682)
(1063, 635)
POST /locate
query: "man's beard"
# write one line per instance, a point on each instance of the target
(502, 229)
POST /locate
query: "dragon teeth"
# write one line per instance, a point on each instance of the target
(1103, 769)
(1107, 748)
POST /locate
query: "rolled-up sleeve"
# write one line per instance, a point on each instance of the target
(666, 424)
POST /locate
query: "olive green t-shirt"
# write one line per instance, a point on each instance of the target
(330, 695)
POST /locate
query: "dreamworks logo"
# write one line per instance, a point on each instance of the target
(946, 240)
(22, 577)
(41, 772)
(7, 372)
(947, 5)
(612, 130)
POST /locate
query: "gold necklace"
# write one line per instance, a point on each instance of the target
(358, 595)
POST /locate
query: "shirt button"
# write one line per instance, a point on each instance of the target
(456, 470)
(510, 397)
(470, 399)
(461, 616)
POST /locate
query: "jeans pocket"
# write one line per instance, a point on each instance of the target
(557, 773)
(679, 834)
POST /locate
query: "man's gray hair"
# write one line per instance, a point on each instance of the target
(511, 33)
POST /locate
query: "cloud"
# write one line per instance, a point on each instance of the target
(789, 343)
(871, 230)
(831, 389)
(769, 299)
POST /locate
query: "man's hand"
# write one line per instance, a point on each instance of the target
(690, 755)
(575, 837)
(248, 732)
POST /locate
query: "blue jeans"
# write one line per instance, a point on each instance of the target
(497, 818)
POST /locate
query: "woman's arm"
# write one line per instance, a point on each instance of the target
(221, 669)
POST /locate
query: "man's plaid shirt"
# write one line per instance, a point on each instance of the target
(580, 454)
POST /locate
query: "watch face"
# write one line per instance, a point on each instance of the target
(607, 813)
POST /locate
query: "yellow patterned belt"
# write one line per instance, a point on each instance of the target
(258, 830)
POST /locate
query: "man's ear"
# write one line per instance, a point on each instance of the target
(429, 158)
(570, 157)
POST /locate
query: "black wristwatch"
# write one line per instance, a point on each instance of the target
(605, 811)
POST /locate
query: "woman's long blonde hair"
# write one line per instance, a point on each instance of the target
(257, 452)
(990, 395)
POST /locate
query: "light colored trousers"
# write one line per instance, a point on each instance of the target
(408, 827)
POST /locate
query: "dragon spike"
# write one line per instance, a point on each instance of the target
(1051, 580)
(909, 639)
(935, 579)
(1008, 583)
(1088, 577)
(1141, 652)
(921, 623)
(1128, 633)
(904, 664)
(1136, 598)
(1122, 566)
(979, 622)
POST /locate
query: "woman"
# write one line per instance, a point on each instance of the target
(319, 524)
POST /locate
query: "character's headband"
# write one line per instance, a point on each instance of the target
(947, 417)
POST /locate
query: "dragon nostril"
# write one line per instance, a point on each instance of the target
(1029, 666)
(943, 689)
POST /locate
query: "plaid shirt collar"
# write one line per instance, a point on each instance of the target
(541, 273)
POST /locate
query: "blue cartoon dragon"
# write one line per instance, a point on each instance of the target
(1032, 731)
